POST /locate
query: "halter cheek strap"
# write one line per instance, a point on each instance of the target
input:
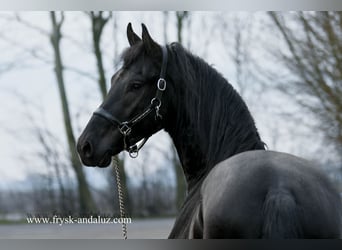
(126, 127)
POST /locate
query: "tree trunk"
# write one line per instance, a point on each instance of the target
(181, 17)
(165, 21)
(85, 199)
(98, 22)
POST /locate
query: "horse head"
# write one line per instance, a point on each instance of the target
(134, 106)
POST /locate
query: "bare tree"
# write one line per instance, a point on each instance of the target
(85, 198)
(165, 21)
(98, 22)
(116, 59)
(53, 190)
(61, 192)
(181, 18)
(236, 35)
(314, 61)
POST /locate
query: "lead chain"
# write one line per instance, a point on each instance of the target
(115, 162)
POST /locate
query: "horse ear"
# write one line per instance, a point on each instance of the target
(152, 48)
(131, 36)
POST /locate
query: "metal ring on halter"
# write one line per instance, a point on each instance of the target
(155, 99)
(133, 151)
(133, 154)
(161, 84)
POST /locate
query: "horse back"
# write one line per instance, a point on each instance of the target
(266, 194)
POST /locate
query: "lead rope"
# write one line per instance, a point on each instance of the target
(115, 163)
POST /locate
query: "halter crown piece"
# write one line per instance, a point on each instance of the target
(126, 127)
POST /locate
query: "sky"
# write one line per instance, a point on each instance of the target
(29, 87)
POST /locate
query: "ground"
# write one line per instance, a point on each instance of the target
(138, 229)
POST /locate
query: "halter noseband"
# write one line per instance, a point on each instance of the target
(125, 127)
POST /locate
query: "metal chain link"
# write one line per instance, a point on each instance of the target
(115, 163)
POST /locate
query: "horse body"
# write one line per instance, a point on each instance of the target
(236, 189)
(261, 194)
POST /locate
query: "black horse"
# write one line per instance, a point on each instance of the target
(236, 189)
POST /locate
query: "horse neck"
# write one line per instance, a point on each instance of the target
(209, 128)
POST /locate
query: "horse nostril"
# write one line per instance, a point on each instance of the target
(87, 149)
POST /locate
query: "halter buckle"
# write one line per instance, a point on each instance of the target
(125, 129)
(133, 151)
(161, 84)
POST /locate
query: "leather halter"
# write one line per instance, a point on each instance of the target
(126, 127)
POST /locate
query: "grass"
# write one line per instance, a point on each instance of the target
(11, 222)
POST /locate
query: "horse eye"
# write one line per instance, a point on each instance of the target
(136, 85)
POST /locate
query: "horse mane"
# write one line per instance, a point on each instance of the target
(207, 103)
(217, 113)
